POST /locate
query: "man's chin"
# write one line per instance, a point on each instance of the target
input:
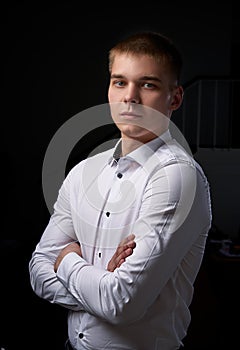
(136, 133)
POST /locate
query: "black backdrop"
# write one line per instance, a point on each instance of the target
(54, 60)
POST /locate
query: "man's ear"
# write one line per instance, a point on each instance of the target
(177, 97)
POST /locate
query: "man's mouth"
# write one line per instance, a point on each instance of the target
(129, 115)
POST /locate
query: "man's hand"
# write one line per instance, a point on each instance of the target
(124, 249)
(72, 247)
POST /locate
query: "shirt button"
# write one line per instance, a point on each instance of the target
(119, 175)
(80, 335)
(107, 213)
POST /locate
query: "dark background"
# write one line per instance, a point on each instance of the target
(54, 60)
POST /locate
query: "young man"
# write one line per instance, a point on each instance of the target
(127, 236)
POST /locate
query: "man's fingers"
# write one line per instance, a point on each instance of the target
(124, 254)
(127, 239)
(120, 262)
(131, 244)
(130, 237)
(124, 250)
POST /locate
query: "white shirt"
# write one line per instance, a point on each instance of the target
(159, 193)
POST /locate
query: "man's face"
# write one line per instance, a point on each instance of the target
(142, 95)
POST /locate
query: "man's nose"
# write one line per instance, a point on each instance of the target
(132, 95)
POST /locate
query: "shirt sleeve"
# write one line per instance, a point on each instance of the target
(174, 214)
(58, 233)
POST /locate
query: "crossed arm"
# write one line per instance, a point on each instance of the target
(77, 285)
(124, 249)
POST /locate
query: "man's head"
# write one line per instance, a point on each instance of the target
(144, 72)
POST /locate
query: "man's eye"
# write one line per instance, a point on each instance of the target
(118, 83)
(148, 85)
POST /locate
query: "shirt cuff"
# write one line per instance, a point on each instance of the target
(67, 265)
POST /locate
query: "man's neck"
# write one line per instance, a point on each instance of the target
(130, 144)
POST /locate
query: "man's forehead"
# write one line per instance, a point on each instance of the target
(148, 65)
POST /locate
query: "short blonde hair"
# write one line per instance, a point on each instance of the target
(151, 44)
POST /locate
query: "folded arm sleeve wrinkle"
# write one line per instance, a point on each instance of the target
(58, 233)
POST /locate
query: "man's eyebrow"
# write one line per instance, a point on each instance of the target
(117, 76)
(150, 77)
(144, 77)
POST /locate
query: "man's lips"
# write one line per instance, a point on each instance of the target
(130, 115)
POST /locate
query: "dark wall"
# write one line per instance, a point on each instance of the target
(55, 65)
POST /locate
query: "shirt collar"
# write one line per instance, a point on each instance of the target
(142, 153)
